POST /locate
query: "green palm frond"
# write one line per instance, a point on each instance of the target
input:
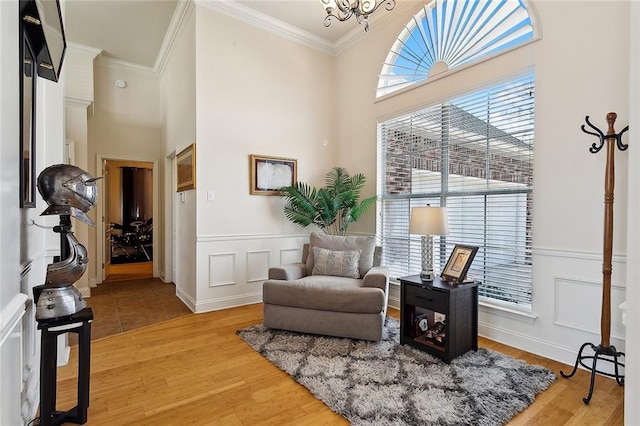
(333, 207)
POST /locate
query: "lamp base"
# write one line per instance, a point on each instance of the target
(427, 275)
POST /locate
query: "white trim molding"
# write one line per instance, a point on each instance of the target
(181, 15)
(234, 301)
(246, 237)
(10, 316)
(574, 254)
(222, 271)
(267, 23)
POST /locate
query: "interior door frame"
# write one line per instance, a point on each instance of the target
(100, 252)
(170, 262)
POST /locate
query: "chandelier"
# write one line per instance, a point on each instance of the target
(361, 9)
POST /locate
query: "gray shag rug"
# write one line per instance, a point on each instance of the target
(385, 383)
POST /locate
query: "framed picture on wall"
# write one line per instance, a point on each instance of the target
(269, 174)
(186, 168)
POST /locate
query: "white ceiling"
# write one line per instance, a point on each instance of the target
(133, 30)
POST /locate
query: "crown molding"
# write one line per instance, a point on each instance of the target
(81, 50)
(377, 21)
(181, 15)
(119, 64)
(77, 102)
(238, 11)
(268, 23)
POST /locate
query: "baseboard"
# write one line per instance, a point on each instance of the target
(63, 354)
(186, 299)
(84, 291)
(394, 302)
(561, 353)
(228, 302)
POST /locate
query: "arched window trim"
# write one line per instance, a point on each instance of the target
(537, 35)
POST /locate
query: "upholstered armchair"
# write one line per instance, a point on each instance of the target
(338, 289)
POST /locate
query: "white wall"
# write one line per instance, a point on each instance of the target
(21, 270)
(632, 344)
(125, 125)
(178, 94)
(11, 301)
(257, 93)
(568, 180)
(76, 129)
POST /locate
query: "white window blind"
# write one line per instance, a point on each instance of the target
(473, 154)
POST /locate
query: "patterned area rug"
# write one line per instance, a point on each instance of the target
(385, 383)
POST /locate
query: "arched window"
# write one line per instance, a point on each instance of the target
(470, 150)
(447, 34)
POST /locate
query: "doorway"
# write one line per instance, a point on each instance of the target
(128, 210)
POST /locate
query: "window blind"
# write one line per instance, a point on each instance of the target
(474, 155)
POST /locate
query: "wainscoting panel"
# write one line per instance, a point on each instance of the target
(258, 263)
(222, 268)
(11, 363)
(585, 316)
(290, 255)
(33, 274)
(565, 310)
(232, 268)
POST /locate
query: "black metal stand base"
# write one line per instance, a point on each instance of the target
(79, 323)
(607, 354)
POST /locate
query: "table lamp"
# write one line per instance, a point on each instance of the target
(426, 222)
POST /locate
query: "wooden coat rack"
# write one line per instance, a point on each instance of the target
(604, 351)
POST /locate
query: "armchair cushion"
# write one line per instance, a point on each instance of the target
(325, 293)
(341, 263)
(365, 243)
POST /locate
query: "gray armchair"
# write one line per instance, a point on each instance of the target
(339, 289)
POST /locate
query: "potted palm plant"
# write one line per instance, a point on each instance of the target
(331, 208)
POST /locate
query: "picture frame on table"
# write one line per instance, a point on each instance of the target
(186, 168)
(455, 270)
(269, 174)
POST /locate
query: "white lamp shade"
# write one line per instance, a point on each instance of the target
(429, 221)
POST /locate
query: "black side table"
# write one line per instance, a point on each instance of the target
(439, 317)
(80, 323)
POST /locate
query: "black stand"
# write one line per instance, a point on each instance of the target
(80, 323)
(609, 355)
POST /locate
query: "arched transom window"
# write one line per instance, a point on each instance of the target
(447, 34)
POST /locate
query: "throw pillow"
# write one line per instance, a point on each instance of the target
(366, 243)
(341, 263)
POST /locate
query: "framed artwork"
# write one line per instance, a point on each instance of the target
(458, 264)
(27, 125)
(269, 174)
(186, 168)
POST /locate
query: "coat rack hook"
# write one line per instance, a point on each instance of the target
(594, 148)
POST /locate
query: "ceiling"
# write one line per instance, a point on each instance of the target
(134, 30)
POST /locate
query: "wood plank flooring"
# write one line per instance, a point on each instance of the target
(128, 271)
(194, 370)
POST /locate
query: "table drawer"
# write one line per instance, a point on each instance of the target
(425, 298)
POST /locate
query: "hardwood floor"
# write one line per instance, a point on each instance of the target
(194, 370)
(128, 271)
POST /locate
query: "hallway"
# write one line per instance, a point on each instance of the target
(127, 301)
